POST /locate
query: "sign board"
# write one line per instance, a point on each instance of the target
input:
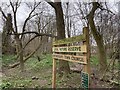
(81, 49)
(85, 80)
(70, 40)
(66, 49)
(72, 58)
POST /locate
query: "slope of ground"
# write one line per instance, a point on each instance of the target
(38, 74)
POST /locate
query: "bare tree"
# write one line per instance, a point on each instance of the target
(19, 36)
(63, 65)
(90, 16)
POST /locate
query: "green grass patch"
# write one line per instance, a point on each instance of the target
(94, 60)
(36, 65)
(16, 83)
(33, 68)
(8, 59)
(5, 85)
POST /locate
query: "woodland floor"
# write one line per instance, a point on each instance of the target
(38, 74)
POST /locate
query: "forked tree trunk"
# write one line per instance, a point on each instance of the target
(98, 38)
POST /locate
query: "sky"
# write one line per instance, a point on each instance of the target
(63, 0)
(23, 10)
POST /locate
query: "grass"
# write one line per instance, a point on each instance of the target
(38, 69)
(7, 59)
(94, 60)
(33, 68)
(36, 65)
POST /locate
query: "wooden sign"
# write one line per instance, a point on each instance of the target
(61, 51)
(69, 40)
(85, 80)
(71, 58)
(70, 49)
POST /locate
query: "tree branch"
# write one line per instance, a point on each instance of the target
(29, 17)
(51, 3)
(107, 10)
(91, 20)
(32, 52)
(3, 13)
(18, 63)
(14, 14)
(34, 32)
(17, 5)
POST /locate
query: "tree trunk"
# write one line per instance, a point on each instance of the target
(98, 38)
(6, 38)
(68, 20)
(118, 42)
(102, 54)
(19, 47)
(63, 65)
(21, 57)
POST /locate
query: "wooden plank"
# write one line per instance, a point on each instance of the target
(79, 49)
(71, 58)
(54, 74)
(69, 40)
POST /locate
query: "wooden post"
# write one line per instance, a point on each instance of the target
(86, 42)
(54, 74)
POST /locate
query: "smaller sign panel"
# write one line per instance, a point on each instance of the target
(70, 40)
(81, 49)
(72, 58)
(85, 80)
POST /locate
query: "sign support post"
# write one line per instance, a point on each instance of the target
(86, 42)
(54, 74)
(85, 75)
